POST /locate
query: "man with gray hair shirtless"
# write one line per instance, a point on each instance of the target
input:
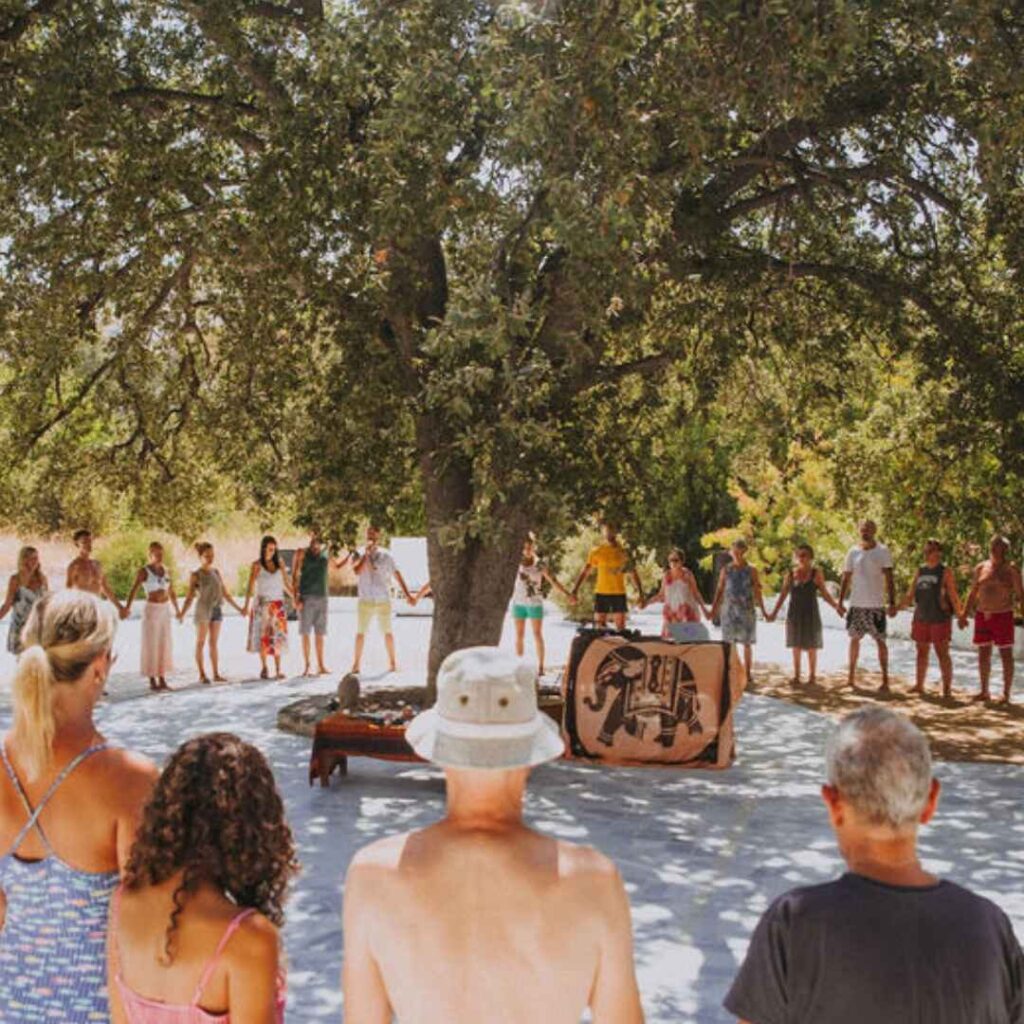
(479, 918)
(887, 943)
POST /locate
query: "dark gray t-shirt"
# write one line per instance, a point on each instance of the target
(854, 951)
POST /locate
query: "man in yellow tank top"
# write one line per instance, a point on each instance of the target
(611, 562)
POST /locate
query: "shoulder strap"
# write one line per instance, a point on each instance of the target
(207, 974)
(33, 819)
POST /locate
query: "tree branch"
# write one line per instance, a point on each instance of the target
(21, 23)
(220, 30)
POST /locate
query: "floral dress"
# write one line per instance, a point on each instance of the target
(24, 599)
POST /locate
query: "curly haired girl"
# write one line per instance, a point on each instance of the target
(194, 925)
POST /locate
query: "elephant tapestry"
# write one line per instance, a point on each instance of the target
(651, 701)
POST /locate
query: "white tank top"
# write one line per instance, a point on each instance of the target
(270, 585)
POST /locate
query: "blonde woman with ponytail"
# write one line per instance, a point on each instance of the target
(69, 805)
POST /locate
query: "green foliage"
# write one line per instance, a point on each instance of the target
(472, 269)
(123, 554)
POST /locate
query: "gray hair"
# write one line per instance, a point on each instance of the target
(880, 762)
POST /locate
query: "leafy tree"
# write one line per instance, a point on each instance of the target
(343, 255)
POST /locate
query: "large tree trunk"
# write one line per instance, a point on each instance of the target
(472, 582)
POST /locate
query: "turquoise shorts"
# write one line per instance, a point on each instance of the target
(527, 611)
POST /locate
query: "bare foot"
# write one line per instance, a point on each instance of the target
(323, 670)
(917, 689)
(280, 676)
(153, 685)
(204, 681)
(219, 679)
(794, 681)
(393, 668)
(812, 680)
(980, 698)
(306, 671)
(884, 688)
(163, 684)
(1005, 700)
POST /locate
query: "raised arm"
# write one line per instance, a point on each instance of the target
(615, 998)
(366, 999)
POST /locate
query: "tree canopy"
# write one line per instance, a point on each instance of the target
(453, 258)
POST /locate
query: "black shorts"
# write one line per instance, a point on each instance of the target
(610, 604)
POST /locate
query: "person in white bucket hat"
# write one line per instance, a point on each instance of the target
(486, 715)
(478, 917)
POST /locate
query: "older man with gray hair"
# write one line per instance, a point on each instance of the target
(887, 943)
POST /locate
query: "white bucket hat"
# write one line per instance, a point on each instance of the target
(486, 715)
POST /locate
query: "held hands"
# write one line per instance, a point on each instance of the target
(841, 610)
(891, 611)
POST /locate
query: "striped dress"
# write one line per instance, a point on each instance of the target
(53, 943)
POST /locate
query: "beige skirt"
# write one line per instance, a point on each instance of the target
(157, 646)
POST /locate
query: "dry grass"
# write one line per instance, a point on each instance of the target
(958, 729)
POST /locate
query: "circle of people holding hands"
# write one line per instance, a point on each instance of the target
(866, 600)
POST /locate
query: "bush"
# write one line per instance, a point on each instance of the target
(123, 554)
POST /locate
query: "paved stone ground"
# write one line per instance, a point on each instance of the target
(701, 853)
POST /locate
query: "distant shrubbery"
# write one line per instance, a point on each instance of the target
(125, 553)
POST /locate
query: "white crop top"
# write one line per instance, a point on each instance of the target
(153, 583)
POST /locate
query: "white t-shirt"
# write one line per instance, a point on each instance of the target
(528, 590)
(374, 582)
(867, 583)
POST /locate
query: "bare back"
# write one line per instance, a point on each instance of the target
(90, 820)
(500, 926)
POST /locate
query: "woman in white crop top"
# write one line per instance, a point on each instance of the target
(268, 621)
(154, 579)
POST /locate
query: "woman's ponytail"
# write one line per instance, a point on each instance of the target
(64, 635)
(34, 723)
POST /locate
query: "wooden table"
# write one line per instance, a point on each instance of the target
(340, 736)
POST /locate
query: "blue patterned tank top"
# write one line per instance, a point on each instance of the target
(53, 942)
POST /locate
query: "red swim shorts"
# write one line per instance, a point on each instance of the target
(993, 629)
(931, 632)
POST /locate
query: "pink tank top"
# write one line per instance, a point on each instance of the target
(140, 1010)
